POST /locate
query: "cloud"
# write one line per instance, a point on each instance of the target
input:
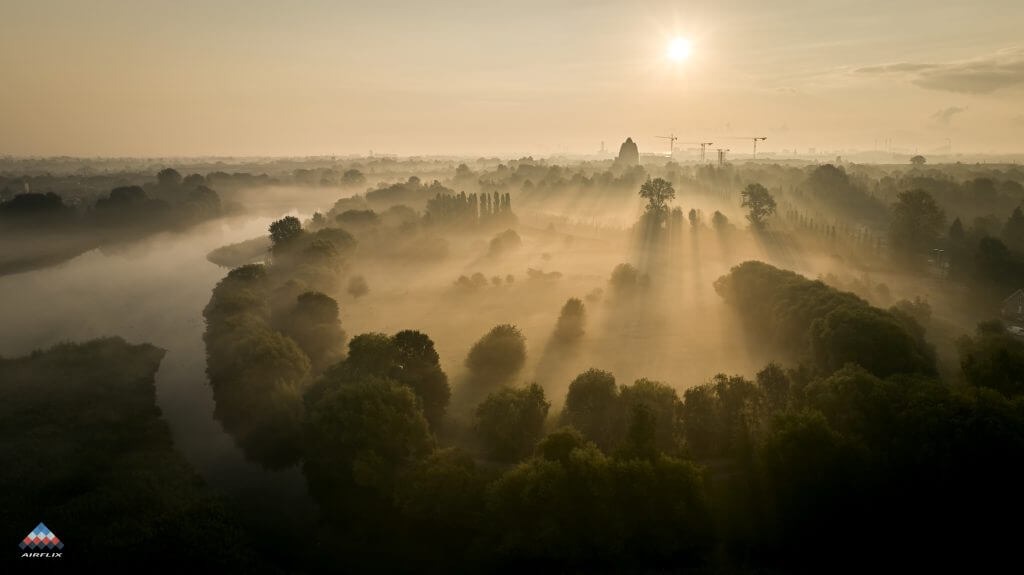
(985, 75)
(943, 116)
(894, 68)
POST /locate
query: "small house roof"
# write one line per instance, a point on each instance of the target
(1018, 293)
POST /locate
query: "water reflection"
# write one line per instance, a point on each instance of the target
(152, 291)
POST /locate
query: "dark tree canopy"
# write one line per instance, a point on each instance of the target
(168, 177)
(109, 461)
(822, 324)
(658, 192)
(994, 359)
(407, 358)
(498, 356)
(285, 230)
(759, 202)
(364, 434)
(592, 407)
(956, 231)
(917, 222)
(511, 421)
(1013, 230)
(353, 177)
(571, 321)
(504, 242)
(626, 279)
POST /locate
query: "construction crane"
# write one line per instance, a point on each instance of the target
(703, 146)
(754, 139)
(671, 143)
(672, 140)
(721, 155)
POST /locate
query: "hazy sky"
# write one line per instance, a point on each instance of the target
(148, 78)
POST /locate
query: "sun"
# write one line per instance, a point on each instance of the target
(678, 49)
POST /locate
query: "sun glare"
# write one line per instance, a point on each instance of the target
(679, 49)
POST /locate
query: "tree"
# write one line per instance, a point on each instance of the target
(981, 190)
(657, 192)
(442, 501)
(511, 421)
(559, 444)
(570, 321)
(814, 471)
(917, 222)
(1013, 231)
(352, 177)
(497, 356)
(463, 173)
(868, 336)
(168, 177)
(504, 242)
(917, 309)
(363, 434)
(257, 373)
(371, 354)
(357, 286)
(285, 230)
(121, 197)
(956, 231)
(918, 160)
(774, 386)
(110, 461)
(204, 201)
(994, 359)
(641, 434)
(418, 366)
(588, 509)
(658, 407)
(315, 326)
(194, 180)
(829, 182)
(803, 315)
(357, 218)
(34, 203)
(591, 406)
(626, 278)
(760, 202)
(994, 262)
(407, 358)
(835, 187)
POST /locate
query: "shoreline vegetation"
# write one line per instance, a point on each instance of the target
(87, 449)
(43, 230)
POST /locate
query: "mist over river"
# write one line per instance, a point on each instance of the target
(154, 291)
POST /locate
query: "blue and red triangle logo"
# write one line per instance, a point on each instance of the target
(41, 538)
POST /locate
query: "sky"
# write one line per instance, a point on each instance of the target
(259, 78)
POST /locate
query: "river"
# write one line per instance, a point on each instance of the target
(154, 291)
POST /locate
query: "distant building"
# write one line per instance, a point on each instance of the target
(629, 155)
(1013, 306)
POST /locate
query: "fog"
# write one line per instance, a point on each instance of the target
(372, 345)
(551, 287)
(674, 329)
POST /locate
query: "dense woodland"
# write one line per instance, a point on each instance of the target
(871, 421)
